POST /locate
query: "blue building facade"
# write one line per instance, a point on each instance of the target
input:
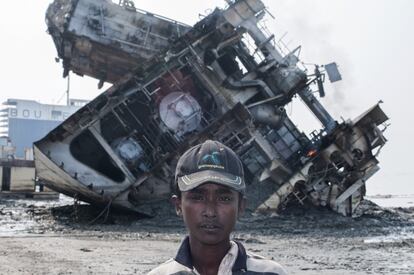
(28, 121)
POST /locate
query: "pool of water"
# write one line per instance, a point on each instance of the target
(393, 201)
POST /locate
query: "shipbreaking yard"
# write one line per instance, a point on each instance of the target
(57, 237)
(225, 78)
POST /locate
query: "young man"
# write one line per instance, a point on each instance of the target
(210, 185)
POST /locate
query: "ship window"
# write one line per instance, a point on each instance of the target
(241, 65)
(56, 114)
(86, 149)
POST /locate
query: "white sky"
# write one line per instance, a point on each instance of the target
(371, 40)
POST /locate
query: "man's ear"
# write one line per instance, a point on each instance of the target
(176, 201)
(242, 206)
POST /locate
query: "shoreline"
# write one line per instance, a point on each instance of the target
(48, 238)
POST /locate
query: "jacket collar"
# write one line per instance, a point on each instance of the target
(241, 260)
(184, 256)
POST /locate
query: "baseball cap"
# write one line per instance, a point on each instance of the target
(210, 161)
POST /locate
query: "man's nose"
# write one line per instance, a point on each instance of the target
(210, 209)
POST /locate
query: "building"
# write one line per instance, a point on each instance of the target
(22, 122)
(7, 150)
(25, 121)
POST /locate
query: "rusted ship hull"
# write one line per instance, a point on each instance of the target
(212, 83)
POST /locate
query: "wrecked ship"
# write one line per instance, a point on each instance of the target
(225, 78)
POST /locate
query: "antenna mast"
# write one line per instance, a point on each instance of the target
(67, 91)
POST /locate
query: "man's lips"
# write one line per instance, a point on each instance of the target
(211, 226)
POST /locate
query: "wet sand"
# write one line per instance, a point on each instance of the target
(57, 238)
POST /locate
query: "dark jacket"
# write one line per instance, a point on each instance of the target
(246, 263)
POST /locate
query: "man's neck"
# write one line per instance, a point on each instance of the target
(207, 258)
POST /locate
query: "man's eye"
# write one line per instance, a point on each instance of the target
(225, 198)
(196, 197)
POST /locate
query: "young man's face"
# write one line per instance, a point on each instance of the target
(210, 212)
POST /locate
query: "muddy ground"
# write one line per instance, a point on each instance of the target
(55, 237)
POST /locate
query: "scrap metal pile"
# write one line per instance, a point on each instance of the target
(175, 86)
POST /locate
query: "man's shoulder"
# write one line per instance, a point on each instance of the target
(170, 267)
(256, 263)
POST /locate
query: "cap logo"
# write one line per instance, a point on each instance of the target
(212, 160)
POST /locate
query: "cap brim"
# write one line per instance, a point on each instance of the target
(189, 182)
